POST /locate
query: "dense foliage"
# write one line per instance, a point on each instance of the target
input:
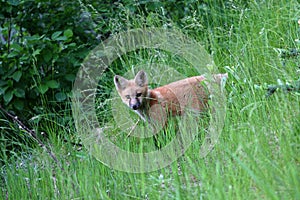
(42, 45)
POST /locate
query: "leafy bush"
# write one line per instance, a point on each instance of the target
(40, 57)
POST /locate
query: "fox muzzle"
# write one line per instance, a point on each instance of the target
(134, 103)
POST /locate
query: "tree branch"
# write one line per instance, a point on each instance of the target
(32, 134)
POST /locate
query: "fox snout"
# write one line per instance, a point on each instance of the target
(134, 103)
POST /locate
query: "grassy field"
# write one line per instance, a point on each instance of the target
(256, 157)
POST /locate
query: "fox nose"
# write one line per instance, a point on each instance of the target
(134, 107)
(134, 104)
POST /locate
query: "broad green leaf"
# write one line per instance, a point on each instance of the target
(70, 77)
(55, 35)
(43, 89)
(68, 33)
(13, 54)
(8, 96)
(52, 84)
(72, 44)
(18, 92)
(47, 55)
(61, 38)
(14, 2)
(10, 83)
(36, 52)
(2, 83)
(60, 96)
(19, 104)
(33, 37)
(16, 47)
(3, 89)
(17, 75)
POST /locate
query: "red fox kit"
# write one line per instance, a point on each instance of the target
(155, 105)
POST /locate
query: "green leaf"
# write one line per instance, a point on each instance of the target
(55, 35)
(8, 96)
(16, 47)
(14, 2)
(17, 75)
(47, 55)
(3, 89)
(68, 33)
(18, 104)
(61, 38)
(70, 77)
(18, 92)
(10, 83)
(2, 83)
(13, 54)
(36, 52)
(33, 37)
(52, 84)
(72, 44)
(43, 89)
(60, 96)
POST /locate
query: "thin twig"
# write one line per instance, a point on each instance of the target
(133, 127)
(32, 134)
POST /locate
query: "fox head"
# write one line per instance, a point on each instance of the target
(133, 92)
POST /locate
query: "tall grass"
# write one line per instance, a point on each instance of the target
(257, 156)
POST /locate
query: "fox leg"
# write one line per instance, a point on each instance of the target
(158, 121)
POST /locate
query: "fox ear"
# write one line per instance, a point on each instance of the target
(120, 82)
(141, 78)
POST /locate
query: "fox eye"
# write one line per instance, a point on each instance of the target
(127, 96)
(138, 94)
